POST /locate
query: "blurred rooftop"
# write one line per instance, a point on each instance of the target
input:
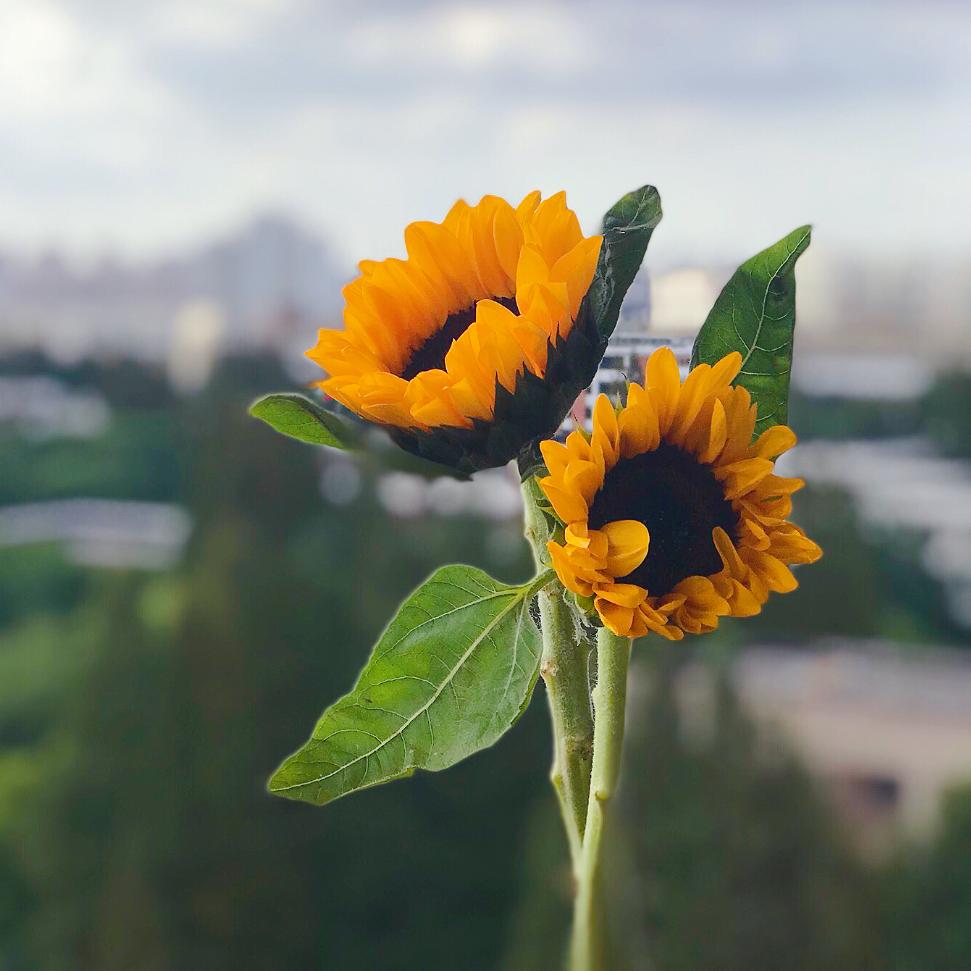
(886, 726)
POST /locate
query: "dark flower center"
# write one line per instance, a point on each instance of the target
(431, 354)
(680, 501)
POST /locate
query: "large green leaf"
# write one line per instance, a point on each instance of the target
(452, 672)
(756, 315)
(300, 418)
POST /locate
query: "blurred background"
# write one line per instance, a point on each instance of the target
(184, 188)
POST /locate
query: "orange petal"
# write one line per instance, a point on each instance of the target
(774, 441)
(663, 379)
(627, 545)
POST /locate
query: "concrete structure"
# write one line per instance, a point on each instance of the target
(101, 532)
(267, 275)
(682, 298)
(903, 488)
(624, 361)
(886, 728)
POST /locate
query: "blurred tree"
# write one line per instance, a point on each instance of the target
(947, 414)
(734, 864)
(151, 842)
(540, 930)
(137, 457)
(125, 383)
(843, 418)
(141, 714)
(866, 585)
(927, 911)
(37, 580)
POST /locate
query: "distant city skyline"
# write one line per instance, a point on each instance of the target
(273, 282)
(142, 129)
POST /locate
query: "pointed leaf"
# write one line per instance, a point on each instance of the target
(303, 419)
(627, 229)
(756, 315)
(450, 675)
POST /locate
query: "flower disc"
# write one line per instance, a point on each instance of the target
(673, 516)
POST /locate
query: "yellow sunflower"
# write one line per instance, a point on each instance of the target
(480, 300)
(673, 515)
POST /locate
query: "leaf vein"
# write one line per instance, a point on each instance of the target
(438, 692)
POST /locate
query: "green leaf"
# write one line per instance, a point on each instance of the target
(300, 418)
(450, 675)
(627, 229)
(756, 315)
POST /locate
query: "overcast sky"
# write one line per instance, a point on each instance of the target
(143, 126)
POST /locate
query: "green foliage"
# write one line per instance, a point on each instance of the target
(451, 674)
(36, 580)
(130, 384)
(927, 897)
(755, 314)
(833, 418)
(138, 457)
(39, 664)
(137, 721)
(135, 731)
(733, 856)
(946, 410)
(302, 419)
(627, 229)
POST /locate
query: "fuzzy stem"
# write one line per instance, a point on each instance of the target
(564, 670)
(588, 947)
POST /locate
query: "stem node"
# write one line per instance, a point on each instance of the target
(548, 669)
(563, 667)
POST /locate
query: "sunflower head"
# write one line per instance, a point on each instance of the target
(673, 516)
(479, 341)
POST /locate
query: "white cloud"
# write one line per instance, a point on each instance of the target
(471, 37)
(53, 68)
(215, 24)
(152, 123)
(37, 45)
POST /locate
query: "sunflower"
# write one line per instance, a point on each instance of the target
(673, 515)
(483, 298)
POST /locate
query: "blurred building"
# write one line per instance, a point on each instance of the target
(273, 282)
(101, 532)
(916, 307)
(624, 362)
(635, 338)
(38, 406)
(877, 376)
(901, 486)
(269, 285)
(885, 728)
(682, 298)
(889, 730)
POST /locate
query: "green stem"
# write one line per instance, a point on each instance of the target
(564, 670)
(588, 948)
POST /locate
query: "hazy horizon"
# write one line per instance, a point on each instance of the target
(144, 129)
